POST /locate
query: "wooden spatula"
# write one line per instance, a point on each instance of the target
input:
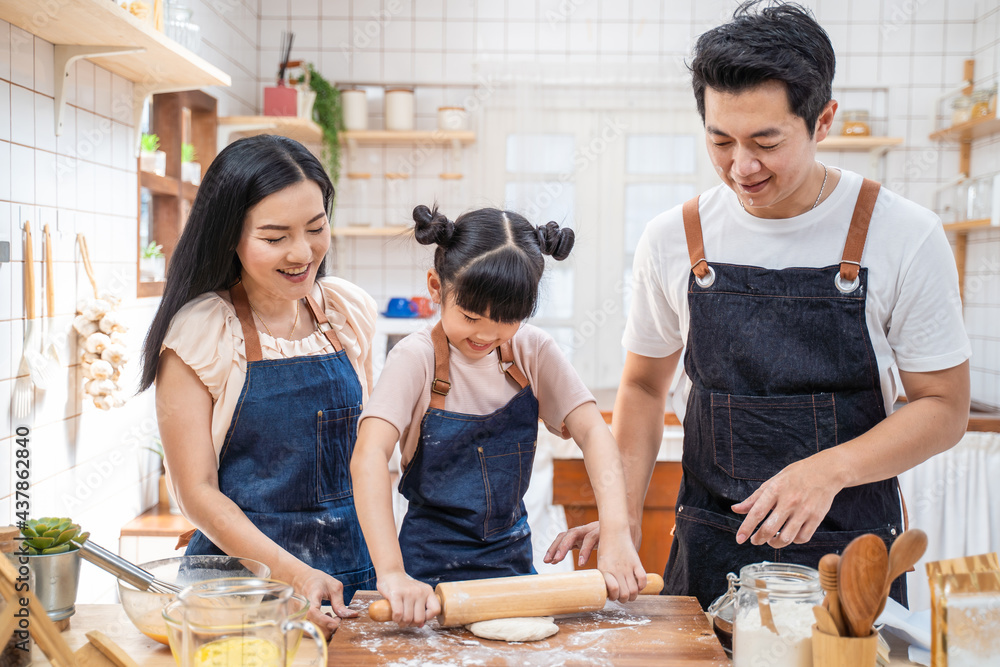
(828, 566)
(905, 552)
(864, 565)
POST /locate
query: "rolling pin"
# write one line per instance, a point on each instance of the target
(464, 602)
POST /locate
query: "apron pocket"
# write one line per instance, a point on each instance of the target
(506, 470)
(336, 433)
(755, 437)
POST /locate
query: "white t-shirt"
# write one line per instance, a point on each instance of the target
(478, 386)
(913, 307)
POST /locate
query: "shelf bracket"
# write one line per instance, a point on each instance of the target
(875, 155)
(65, 55)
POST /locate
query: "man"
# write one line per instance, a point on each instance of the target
(800, 292)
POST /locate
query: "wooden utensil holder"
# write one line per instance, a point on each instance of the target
(833, 651)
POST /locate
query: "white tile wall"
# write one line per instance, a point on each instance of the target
(82, 181)
(982, 282)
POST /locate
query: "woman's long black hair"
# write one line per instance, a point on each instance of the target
(491, 260)
(205, 259)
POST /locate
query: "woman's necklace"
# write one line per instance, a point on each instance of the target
(267, 328)
(822, 189)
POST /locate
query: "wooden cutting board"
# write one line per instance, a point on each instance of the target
(656, 629)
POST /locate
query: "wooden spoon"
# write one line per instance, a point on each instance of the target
(905, 552)
(828, 565)
(824, 621)
(864, 565)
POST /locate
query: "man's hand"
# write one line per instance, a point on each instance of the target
(797, 499)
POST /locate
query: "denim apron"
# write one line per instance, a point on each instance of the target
(781, 366)
(466, 483)
(286, 458)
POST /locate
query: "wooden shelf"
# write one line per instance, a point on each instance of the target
(302, 130)
(839, 143)
(966, 225)
(974, 129)
(189, 191)
(115, 40)
(161, 185)
(370, 231)
(391, 138)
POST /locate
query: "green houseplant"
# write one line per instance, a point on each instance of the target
(52, 550)
(151, 158)
(328, 113)
(152, 263)
(190, 167)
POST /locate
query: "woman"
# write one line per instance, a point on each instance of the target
(261, 365)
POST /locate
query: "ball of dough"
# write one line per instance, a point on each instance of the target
(529, 629)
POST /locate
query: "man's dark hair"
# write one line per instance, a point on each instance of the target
(781, 42)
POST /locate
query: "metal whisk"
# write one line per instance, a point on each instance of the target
(125, 570)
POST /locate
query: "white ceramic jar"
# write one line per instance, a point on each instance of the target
(398, 109)
(451, 119)
(355, 109)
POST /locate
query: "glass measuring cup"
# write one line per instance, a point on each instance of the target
(239, 621)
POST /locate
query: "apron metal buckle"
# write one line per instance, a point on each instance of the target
(444, 391)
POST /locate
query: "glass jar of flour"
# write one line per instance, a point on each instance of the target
(790, 592)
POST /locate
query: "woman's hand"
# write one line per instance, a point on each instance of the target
(413, 602)
(618, 561)
(316, 586)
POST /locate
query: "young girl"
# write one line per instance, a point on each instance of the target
(467, 420)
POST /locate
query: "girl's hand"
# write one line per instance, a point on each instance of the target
(316, 586)
(624, 574)
(413, 602)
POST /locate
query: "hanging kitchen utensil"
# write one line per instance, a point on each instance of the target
(50, 344)
(905, 552)
(37, 365)
(864, 565)
(23, 396)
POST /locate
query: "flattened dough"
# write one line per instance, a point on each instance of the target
(528, 629)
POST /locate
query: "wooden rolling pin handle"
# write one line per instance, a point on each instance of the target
(654, 584)
(381, 611)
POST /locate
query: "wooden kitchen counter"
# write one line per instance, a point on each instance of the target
(655, 630)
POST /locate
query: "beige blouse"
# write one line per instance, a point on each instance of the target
(207, 336)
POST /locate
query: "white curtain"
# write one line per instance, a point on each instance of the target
(950, 497)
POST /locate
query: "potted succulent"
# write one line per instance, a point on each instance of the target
(52, 549)
(152, 267)
(190, 168)
(151, 158)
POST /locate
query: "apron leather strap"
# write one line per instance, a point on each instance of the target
(184, 538)
(902, 501)
(323, 324)
(440, 385)
(251, 340)
(695, 241)
(507, 365)
(850, 264)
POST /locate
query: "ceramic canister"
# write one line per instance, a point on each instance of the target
(452, 119)
(355, 109)
(398, 109)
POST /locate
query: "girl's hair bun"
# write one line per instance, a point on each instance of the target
(555, 241)
(432, 227)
